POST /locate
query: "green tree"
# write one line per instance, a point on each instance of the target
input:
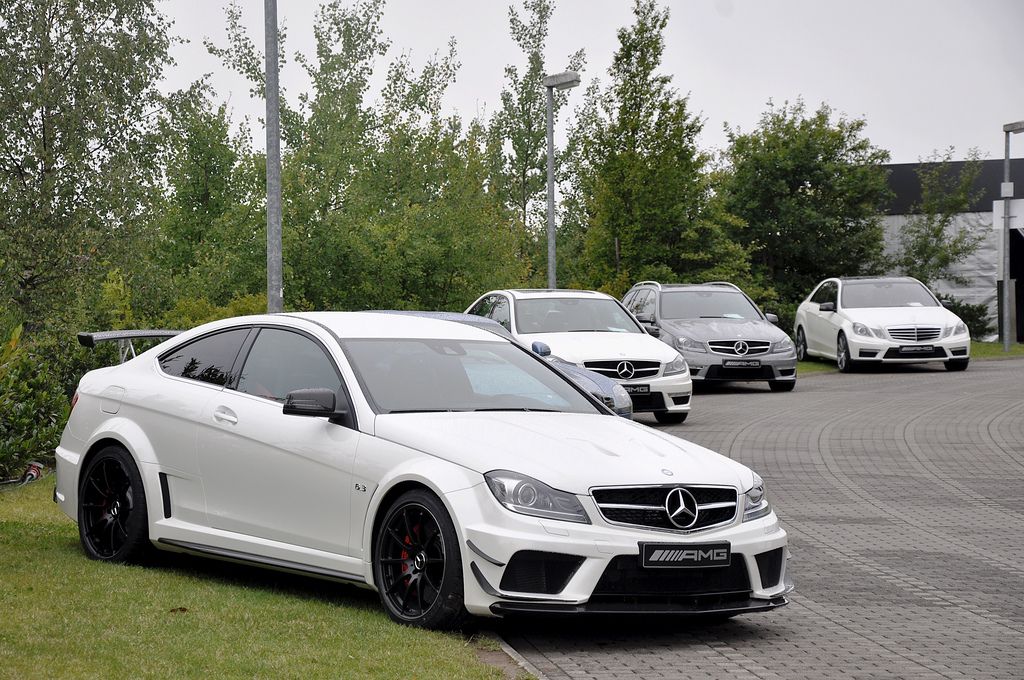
(810, 189)
(933, 240)
(519, 128)
(640, 202)
(77, 137)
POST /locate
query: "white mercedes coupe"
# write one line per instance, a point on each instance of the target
(449, 469)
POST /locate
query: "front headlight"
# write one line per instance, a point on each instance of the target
(782, 346)
(868, 331)
(690, 345)
(677, 366)
(527, 496)
(755, 503)
(961, 329)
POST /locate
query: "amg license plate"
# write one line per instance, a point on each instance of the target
(638, 389)
(916, 349)
(742, 363)
(686, 555)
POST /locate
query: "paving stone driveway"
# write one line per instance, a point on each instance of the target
(903, 495)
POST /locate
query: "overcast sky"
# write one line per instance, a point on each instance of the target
(925, 74)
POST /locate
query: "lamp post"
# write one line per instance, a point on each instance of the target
(275, 290)
(1006, 193)
(559, 81)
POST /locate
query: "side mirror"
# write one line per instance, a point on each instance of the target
(827, 307)
(772, 318)
(645, 318)
(653, 331)
(948, 304)
(316, 402)
(540, 348)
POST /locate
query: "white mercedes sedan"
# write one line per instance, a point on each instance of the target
(895, 319)
(449, 469)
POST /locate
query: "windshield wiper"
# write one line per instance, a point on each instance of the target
(710, 316)
(521, 408)
(428, 410)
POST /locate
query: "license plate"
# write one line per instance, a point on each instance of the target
(914, 349)
(684, 555)
(638, 389)
(742, 363)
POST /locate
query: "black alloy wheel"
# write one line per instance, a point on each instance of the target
(843, 360)
(417, 563)
(801, 345)
(112, 520)
(957, 364)
(670, 417)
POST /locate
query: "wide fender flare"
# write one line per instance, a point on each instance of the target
(128, 434)
(439, 476)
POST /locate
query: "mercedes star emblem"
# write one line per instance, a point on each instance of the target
(681, 507)
(741, 347)
(625, 370)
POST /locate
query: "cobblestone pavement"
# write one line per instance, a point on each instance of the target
(903, 494)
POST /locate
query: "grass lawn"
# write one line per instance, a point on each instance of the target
(63, 615)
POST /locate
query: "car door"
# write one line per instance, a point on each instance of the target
(272, 476)
(822, 325)
(192, 374)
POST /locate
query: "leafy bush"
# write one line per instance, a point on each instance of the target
(33, 406)
(975, 316)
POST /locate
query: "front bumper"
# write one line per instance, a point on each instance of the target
(603, 574)
(872, 349)
(712, 366)
(664, 393)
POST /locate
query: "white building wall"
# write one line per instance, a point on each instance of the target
(979, 269)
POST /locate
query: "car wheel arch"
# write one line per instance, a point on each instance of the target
(379, 506)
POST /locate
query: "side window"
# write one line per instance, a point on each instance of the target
(643, 304)
(281, 361)
(500, 313)
(208, 359)
(483, 308)
(833, 293)
(822, 294)
(628, 300)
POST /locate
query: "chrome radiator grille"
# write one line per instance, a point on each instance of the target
(740, 348)
(914, 333)
(648, 506)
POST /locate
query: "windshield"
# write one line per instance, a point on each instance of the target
(710, 304)
(573, 315)
(412, 376)
(862, 294)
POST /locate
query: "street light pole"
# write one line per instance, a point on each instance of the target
(1006, 193)
(559, 81)
(275, 288)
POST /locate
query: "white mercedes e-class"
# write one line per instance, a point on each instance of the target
(450, 469)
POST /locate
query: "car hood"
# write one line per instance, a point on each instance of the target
(585, 346)
(571, 452)
(724, 329)
(902, 316)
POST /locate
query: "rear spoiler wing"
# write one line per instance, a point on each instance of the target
(125, 348)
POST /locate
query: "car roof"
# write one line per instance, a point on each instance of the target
(702, 287)
(351, 325)
(534, 293)
(458, 317)
(891, 279)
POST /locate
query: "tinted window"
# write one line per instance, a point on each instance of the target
(628, 300)
(404, 375)
(208, 359)
(887, 294)
(500, 312)
(644, 303)
(483, 307)
(555, 315)
(281, 361)
(701, 304)
(826, 293)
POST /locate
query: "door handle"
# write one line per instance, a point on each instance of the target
(225, 415)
